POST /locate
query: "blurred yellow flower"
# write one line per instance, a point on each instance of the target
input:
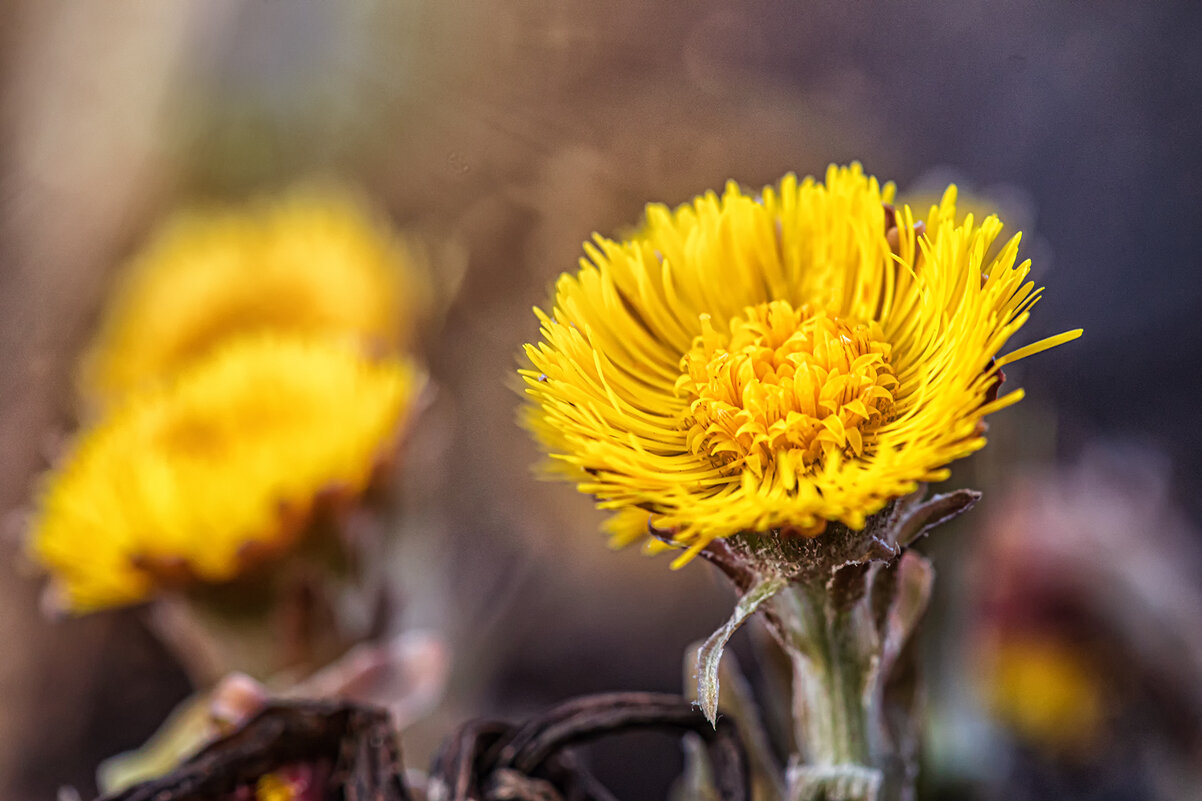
(775, 361)
(274, 787)
(315, 261)
(1045, 690)
(195, 478)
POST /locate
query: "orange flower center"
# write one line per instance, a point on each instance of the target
(785, 386)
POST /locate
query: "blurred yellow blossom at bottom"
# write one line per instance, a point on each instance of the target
(1045, 690)
(275, 787)
(198, 478)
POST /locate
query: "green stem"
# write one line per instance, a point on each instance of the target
(832, 707)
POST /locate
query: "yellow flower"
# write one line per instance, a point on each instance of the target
(1046, 690)
(316, 261)
(274, 787)
(749, 363)
(195, 478)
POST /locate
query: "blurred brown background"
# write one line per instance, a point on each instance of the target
(504, 133)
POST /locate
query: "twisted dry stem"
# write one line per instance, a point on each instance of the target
(350, 751)
(493, 761)
(354, 746)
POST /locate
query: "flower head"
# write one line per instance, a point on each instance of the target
(750, 363)
(196, 477)
(316, 261)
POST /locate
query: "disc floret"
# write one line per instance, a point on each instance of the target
(786, 387)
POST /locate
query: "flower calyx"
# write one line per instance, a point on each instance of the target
(749, 557)
(842, 567)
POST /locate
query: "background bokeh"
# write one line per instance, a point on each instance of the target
(504, 133)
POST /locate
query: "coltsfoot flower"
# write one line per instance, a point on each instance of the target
(194, 479)
(776, 361)
(316, 261)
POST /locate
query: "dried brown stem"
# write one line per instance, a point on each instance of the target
(356, 741)
(490, 762)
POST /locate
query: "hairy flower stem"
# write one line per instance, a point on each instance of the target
(844, 607)
(829, 713)
(835, 711)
